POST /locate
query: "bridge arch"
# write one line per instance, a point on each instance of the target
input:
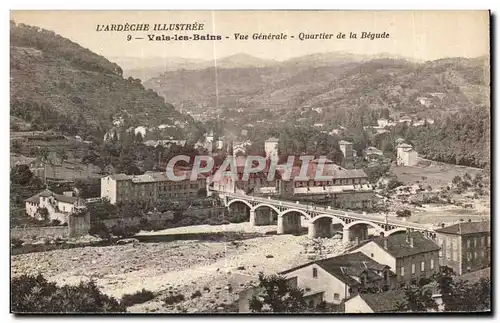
(307, 216)
(371, 224)
(396, 230)
(239, 200)
(334, 219)
(265, 205)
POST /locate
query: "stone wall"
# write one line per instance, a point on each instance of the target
(29, 233)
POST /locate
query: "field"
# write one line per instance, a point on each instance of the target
(435, 174)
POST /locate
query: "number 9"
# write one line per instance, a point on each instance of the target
(129, 37)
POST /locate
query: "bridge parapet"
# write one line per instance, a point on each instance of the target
(312, 212)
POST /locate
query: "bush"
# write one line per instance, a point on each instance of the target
(196, 294)
(55, 222)
(100, 230)
(403, 213)
(34, 294)
(16, 243)
(145, 225)
(393, 183)
(172, 299)
(124, 231)
(137, 298)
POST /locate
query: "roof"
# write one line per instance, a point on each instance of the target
(383, 302)
(36, 198)
(21, 160)
(329, 170)
(404, 146)
(347, 266)
(463, 228)
(273, 139)
(46, 193)
(120, 177)
(475, 276)
(343, 142)
(65, 199)
(399, 247)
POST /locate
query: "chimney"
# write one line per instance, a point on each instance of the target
(442, 225)
(470, 220)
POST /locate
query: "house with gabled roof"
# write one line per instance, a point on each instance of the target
(57, 206)
(411, 255)
(342, 276)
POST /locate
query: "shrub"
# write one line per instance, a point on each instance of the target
(137, 298)
(145, 225)
(172, 299)
(124, 231)
(99, 229)
(196, 294)
(393, 183)
(16, 243)
(34, 294)
(403, 213)
(55, 222)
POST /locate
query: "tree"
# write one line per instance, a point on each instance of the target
(21, 174)
(63, 155)
(34, 294)
(16, 146)
(416, 299)
(463, 296)
(277, 296)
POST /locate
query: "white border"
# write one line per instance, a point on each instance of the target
(191, 5)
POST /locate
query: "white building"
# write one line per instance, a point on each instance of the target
(406, 155)
(151, 186)
(346, 148)
(142, 130)
(271, 147)
(58, 207)
(341, 276)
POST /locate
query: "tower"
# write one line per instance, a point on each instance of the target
(271, 148)
(347, 152)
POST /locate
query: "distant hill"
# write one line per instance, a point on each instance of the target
(334, 80)
(57, 84)
(150, 67)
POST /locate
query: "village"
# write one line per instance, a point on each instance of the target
(450, 201)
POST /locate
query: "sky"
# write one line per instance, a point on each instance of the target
(422, 35)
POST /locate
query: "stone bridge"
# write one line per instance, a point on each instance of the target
(322, 222)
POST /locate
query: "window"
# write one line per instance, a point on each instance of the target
(475, 242)
(402, 271)
(488, 241)
(372, 255)
(469, 256)
(468, 243)
(422, 266)
(386, 275)
(432, 263)
(315, 273)
(412, 268)
(336, 296)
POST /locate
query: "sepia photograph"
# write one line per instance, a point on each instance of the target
(249, 162)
